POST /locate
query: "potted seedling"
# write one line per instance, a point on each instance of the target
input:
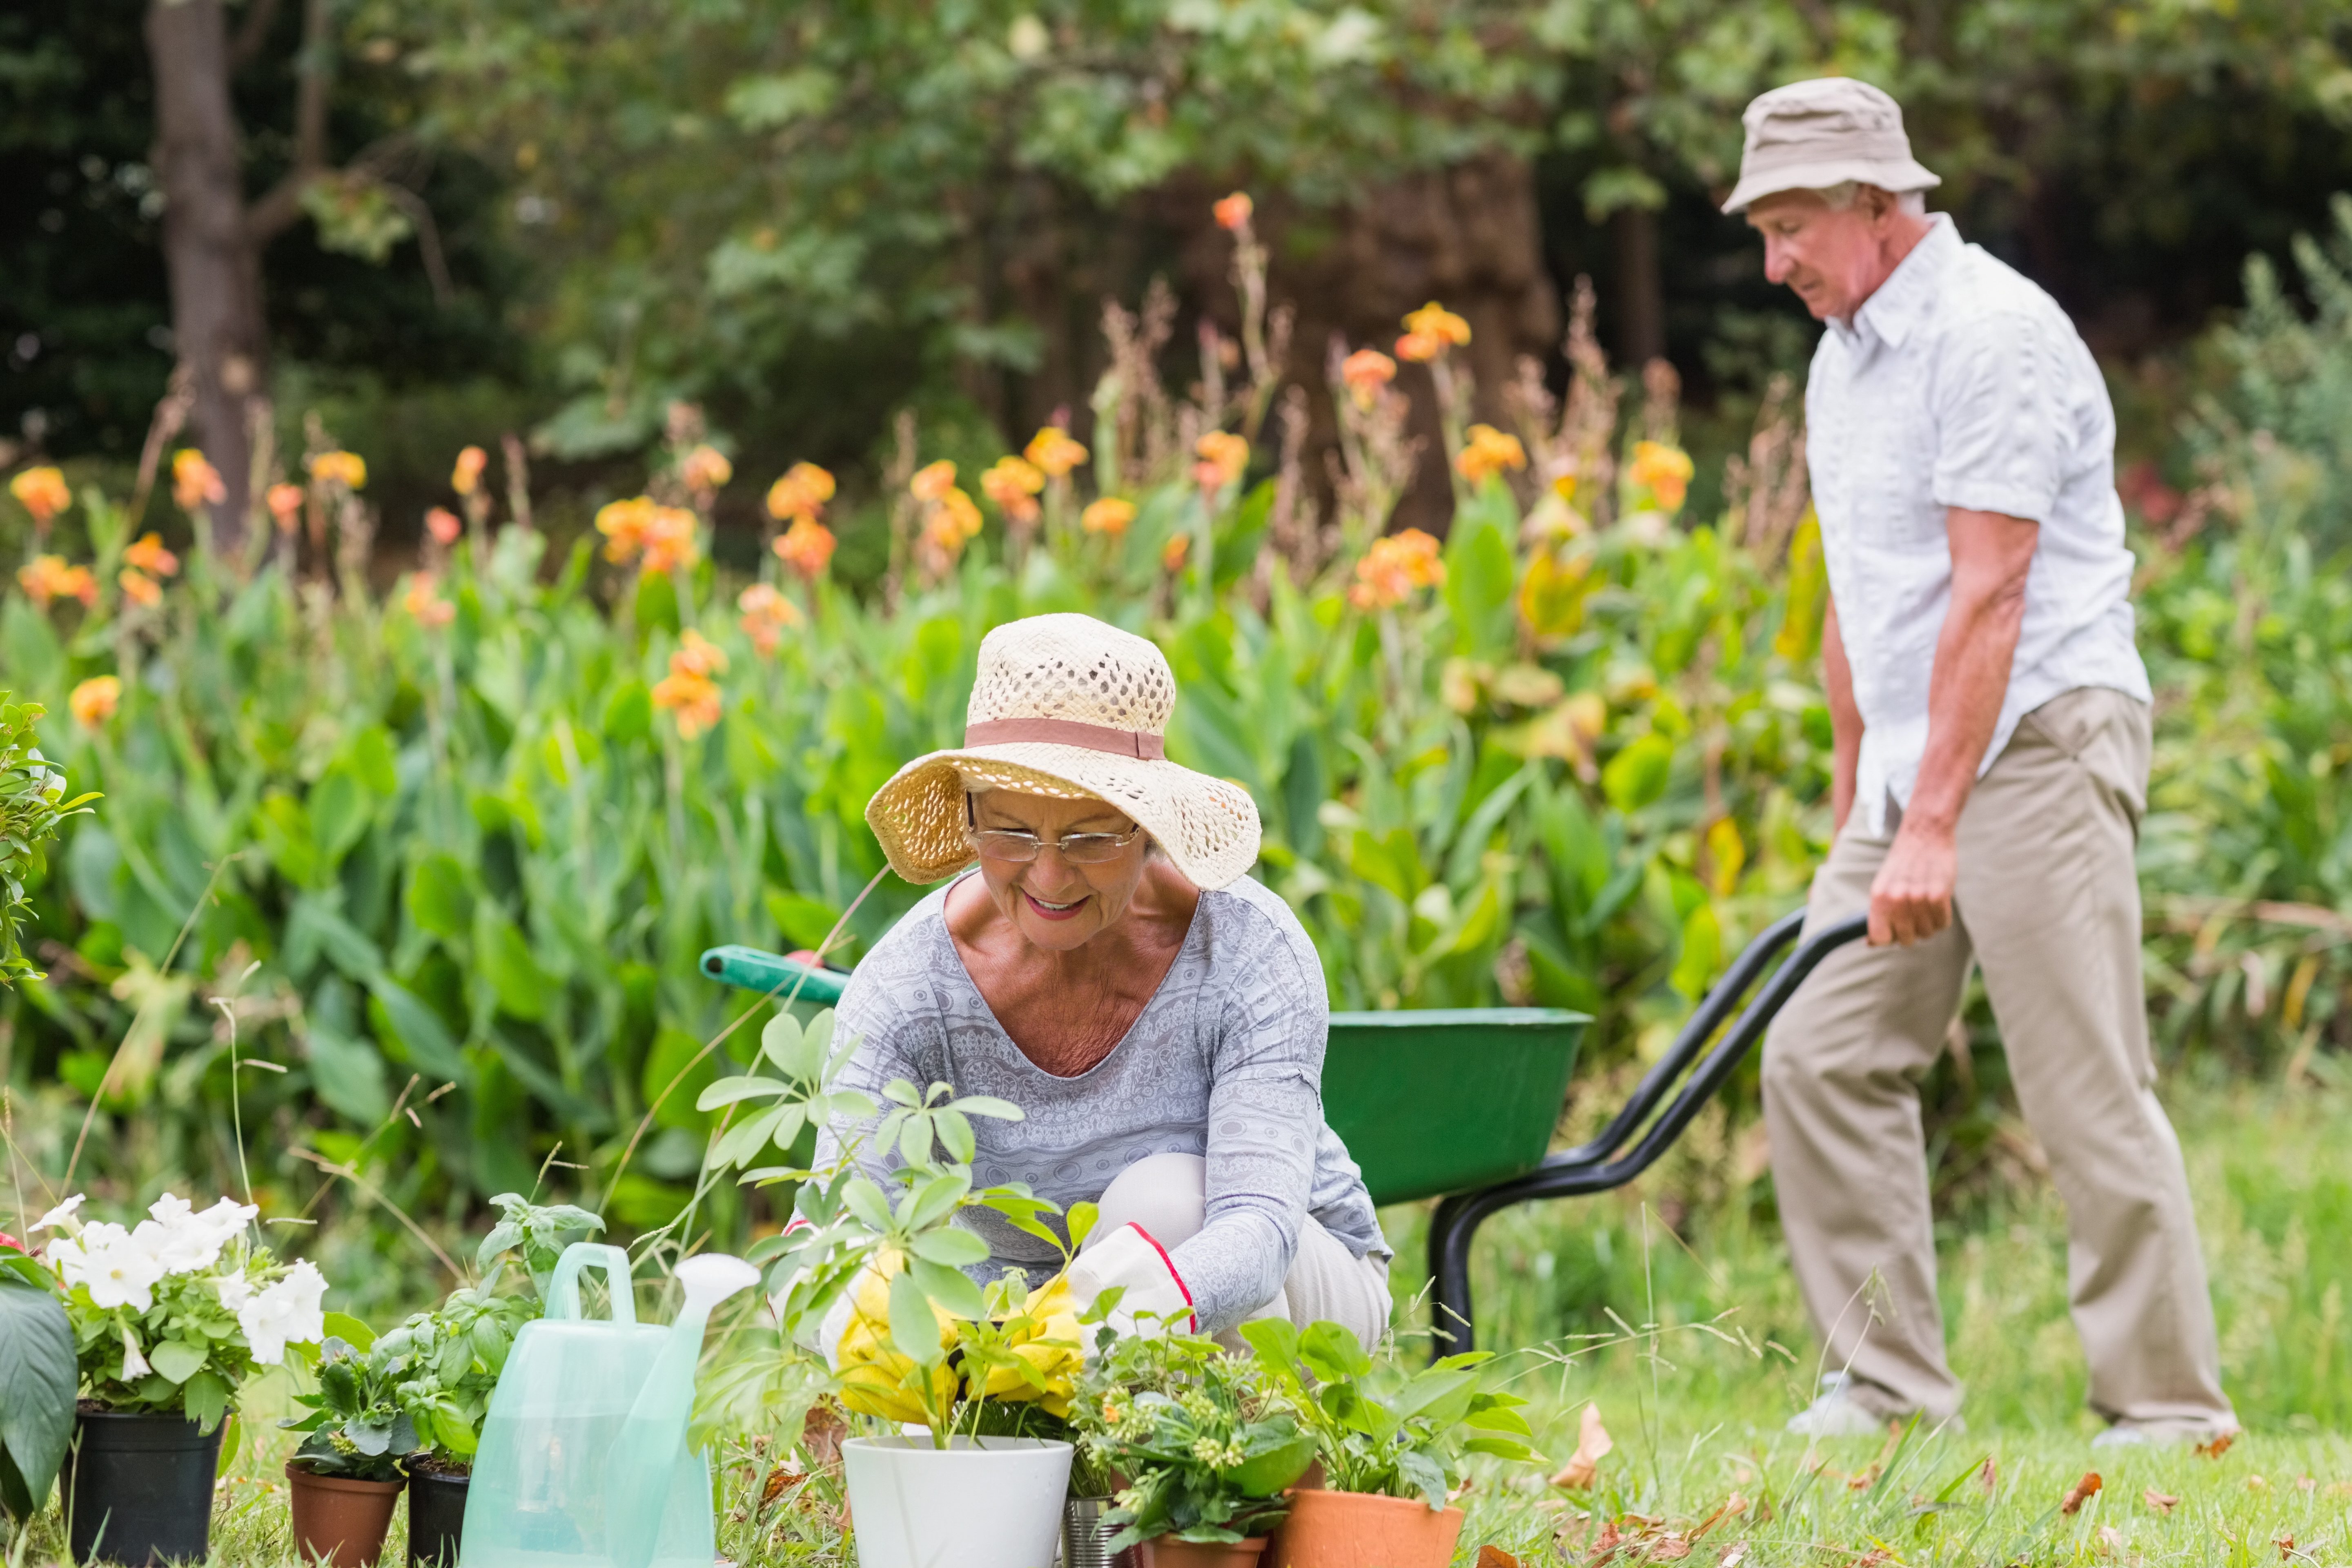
(1392, 1443)
(1204, 1455)
(879, 1313)
(349, 1470)
(450, 1359)
(169, 1319)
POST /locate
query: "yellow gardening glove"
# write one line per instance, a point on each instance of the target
(873, 1371)
(1050, 1340)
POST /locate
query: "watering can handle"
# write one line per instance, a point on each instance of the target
(563, 1286)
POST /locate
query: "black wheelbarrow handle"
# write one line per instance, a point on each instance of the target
(1589, 1167)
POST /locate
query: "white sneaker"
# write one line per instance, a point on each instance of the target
(1836, 1415)
(2135, 1434)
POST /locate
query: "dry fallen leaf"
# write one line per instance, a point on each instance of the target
(1592, 1445)
(1495, 1557)
(1863, 1479)
(2160, 1502)
(2256, 1484)
(2305, 1483)
(1733, 1556)
(773, 1487)
(1732, 1507)
(2339, 1488)
(1669, 1549)
(2111, 1540)
(2081, 1492)
(1989, 1479)
(2218, 1447)
(2285, 1544)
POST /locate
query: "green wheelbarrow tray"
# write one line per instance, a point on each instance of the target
(1460, 1105)
(1403, 1089)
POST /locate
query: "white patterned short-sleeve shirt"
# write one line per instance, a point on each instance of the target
(1225, 1061)
(1960, 383)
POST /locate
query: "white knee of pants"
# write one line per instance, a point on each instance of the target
(1167, 1194)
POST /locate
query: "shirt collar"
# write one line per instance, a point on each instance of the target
(1899, 303)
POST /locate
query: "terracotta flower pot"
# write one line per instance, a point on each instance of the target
(339, 1522)
(1164, 1552)
(1353, 1529)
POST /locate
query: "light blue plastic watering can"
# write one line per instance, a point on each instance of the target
(583, 1462)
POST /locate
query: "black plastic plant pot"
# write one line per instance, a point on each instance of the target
(137, 1489)
(437, 1517)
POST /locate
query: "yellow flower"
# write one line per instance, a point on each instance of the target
(1440, 323)
(94, 701)
(468, 474)
(805, 547)
(1013, 484)
(1489, 451)
(704, 469)
(801, 493)
(150, 556)
(1365, 373)
(767, 615)
(933, 482)
(285, 506)
(1053, 452)
(1224, 457)
(1110, 515)
(47, 577)
(140, 588)
(1233, 212)
(1393, 568)
(1664, 471)
(348, 469)
(43, 493)
(196, 482)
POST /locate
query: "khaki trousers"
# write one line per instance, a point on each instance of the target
(2048, 903)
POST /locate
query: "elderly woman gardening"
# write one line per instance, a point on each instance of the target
(1107, 966)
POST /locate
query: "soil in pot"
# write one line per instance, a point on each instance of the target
(437, 1514)
(138, 1487)
(339, 1522)
(1349, 1530)
(1165, 1553)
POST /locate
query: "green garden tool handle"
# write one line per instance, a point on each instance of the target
(563, 1286)
(750, 969)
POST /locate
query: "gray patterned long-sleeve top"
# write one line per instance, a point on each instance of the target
(1225, 1061)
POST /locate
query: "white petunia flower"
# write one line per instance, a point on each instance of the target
(133, 1363)
(121, 1274)
(227, 1218)
(168, 1210)
(236, 1291)
(63, 1214)
(290, 1311)
(65, 1255)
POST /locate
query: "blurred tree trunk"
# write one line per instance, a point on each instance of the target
(213, 257)
(1641, 298)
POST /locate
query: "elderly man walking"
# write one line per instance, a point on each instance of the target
(1991, 718)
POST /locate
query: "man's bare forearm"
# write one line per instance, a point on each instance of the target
(1990, 558)
(1846, 720)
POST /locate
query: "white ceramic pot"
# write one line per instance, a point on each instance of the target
(989, 1502)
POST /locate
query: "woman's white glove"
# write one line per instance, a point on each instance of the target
(1154, 1298)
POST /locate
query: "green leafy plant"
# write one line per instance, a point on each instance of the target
(538, 1233)
(358, 1426)
(1379, 1428)
(1205, 1457)
(32, 804)
(38, 1377)
(446, 1363)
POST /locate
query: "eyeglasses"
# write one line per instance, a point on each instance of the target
(1020, 848)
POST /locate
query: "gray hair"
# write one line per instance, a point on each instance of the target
(1844, 194)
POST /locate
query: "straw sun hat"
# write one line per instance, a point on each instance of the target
(1067, 707)
(1811, 135)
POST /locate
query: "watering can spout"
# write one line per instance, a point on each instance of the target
(653, 1440)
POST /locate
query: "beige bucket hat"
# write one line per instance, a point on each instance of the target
(1068, 707)
(1811, 135)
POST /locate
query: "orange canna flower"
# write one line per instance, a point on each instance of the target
(1419, 347)
(1233, 211)
(767, 615)
(1365, 373)
(698, 655)
(801, 492)
(669, 540)
(150, 556)
(43, 492)
(285, 506)
(1110, 515)
(705, 470)
(196, 482)
(687, 691)
(1013, 484)
(348, 469)
(1439, 322)
(1173, 554)
(963, 513)
(1490, 451)
(1224, 457)
(47, 577)
(467, 475)
(93, 702)
(1054, 453)
(1393, 567)
(933, 482)
(807, 547)
(1664, 471)
(140, 588)
(423, 600)
(623, 524)
(444, 526)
